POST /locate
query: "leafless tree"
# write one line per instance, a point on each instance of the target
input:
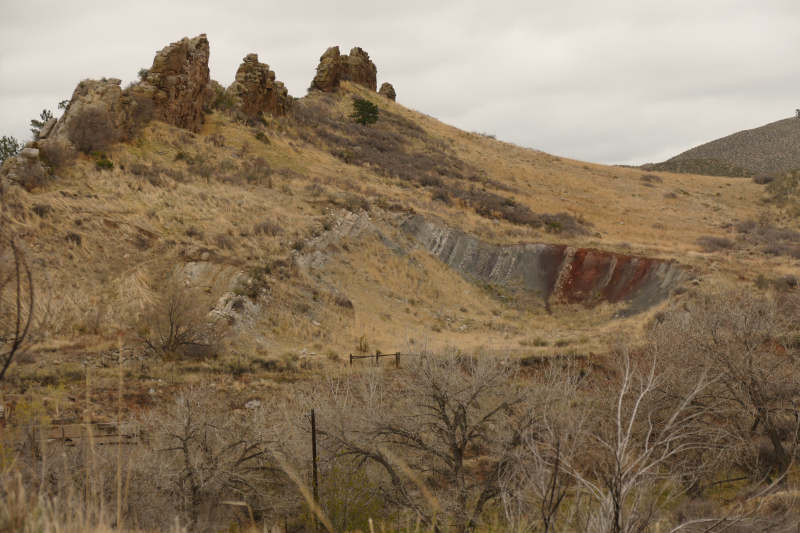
(201, 454)
(17, 290)
(747, 344)
(177, 323)
(440, 431)
(535, 482)
(640, 443)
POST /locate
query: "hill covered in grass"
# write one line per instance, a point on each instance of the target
(768, 149)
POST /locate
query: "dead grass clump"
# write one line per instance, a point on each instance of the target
(267, 227)
(193, 233)
(74, 238)
(224, 241)
(216, 139)
(670, 196)
(710, 244)
(651, 178)
(764, 179)
(42, 210)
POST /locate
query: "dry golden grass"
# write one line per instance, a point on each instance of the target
(133, 233)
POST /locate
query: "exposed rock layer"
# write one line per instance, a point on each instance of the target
(552, 272)
(358, 68)
(176, 82)
(257, 91)
(388, 91)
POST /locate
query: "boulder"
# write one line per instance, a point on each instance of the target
(256, 90)
(329, 71)
(388, 91)
(176, 82)
(25, 169)
(96, 97)
(358, 68)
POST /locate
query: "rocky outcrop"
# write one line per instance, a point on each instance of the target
(553, 272)
(25, 169)
(329, 71)
(176, 82)
(357, 68)
(257, 91)
(388, 91)
(97, 97)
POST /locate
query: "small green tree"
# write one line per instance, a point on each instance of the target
(37, 125)
(364, 111)
(143, 72)
(9, 147)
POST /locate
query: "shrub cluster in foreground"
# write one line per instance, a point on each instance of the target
(695, 426)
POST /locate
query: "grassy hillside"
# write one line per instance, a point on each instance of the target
(253, 205)
(282, 245)
(771, 148)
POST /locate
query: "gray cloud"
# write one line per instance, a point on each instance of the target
(624, 81)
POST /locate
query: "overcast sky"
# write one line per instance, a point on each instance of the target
(624, 81)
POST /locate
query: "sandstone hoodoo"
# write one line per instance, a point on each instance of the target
(257, 91)
(357, 68)
(329, 71)
(387, 90)
(176, 82)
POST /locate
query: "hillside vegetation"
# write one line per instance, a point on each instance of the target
(198, 293)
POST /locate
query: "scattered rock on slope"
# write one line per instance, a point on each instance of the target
(176, 82)
(257, 91)
(388, 91)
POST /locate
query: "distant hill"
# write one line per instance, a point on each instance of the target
(704, 167)
(771, 148)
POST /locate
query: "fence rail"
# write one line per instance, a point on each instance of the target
(377, 356)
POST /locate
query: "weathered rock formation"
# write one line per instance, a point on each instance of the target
(256, 90)
(176, 82)
(329, 71)
(358, 68)
(388, 91)
(553, 272)
(96, 97)
(25, 169)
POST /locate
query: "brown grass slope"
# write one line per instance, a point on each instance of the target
(173, 196)
(771, 148)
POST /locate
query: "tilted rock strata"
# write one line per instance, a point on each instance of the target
(176, 82)
(329, 71)
(98, 97)
(388, 91)
(257, 91)
(358, 69)
(553, 272)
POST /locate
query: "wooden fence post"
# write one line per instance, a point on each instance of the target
(351, 359)
(397, 360)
